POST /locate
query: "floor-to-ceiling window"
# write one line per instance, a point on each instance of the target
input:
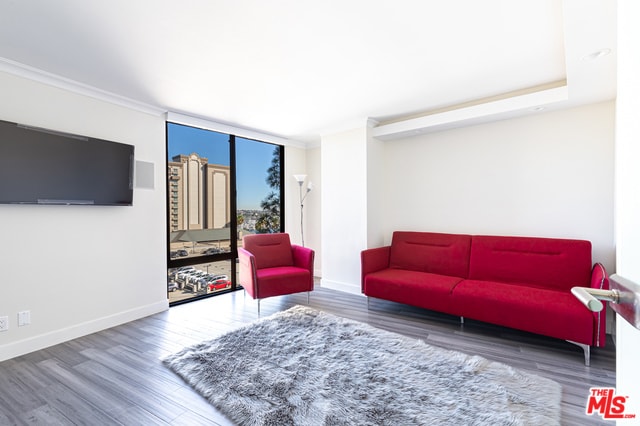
(219, 188)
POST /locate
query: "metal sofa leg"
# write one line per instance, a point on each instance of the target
(258, 308)
(461, 320)
(308, 293)
(587, 351)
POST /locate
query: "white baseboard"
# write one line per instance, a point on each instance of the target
(346, 287)
(25, 346)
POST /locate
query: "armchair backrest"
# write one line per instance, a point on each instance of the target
(269, 250)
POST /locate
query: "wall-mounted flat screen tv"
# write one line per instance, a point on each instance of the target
(40, 166)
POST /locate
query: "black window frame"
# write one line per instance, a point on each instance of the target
(231, 256)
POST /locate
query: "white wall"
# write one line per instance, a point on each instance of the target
(548, 175)
(343, 208)
(294, 164)
(303, 161)
(376, 197)
(79, 269)
(628, 198)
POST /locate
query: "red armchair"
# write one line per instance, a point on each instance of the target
(271, 266)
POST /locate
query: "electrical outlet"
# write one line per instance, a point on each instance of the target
(24, 318)
(4, 323)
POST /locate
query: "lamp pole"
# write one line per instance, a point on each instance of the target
(300, 179)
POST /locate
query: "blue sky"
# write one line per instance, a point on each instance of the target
(252, 159)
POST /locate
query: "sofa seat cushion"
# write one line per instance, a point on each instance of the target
(534, 309)
(282, 280)
(423, 289)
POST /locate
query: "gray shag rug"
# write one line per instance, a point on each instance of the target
(305, 367)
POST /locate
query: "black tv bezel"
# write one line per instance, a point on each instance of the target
(72, 143)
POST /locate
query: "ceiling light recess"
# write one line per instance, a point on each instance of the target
(597, 54)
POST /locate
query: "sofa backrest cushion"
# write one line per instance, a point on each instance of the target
(546, 262)
(445, 254)
(270, 250)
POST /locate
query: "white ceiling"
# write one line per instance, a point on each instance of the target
(300, 68)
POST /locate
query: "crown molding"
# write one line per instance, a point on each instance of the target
(28, 72)
(54, 80)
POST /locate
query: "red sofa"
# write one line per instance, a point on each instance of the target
(519, 282)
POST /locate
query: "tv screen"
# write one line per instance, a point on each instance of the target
(40, 166)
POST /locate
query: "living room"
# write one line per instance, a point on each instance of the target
(552, 173)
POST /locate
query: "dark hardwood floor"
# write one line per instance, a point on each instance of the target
(116, 377)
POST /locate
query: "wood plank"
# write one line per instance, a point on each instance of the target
(116, 376)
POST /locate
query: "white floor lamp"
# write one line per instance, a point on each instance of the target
(300, 179)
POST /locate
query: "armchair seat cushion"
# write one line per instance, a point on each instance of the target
(282, 280)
